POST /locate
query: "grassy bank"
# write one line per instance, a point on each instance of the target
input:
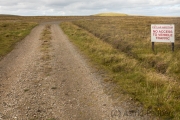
(11, 33)
(131, 35)
(157, 92)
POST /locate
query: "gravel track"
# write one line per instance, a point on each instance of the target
(64, 87)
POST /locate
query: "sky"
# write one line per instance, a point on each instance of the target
(89, 7)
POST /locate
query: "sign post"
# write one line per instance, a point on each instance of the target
(153, 46)
(163, 33)
(173, 47)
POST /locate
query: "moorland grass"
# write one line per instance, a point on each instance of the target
(46, 37)
(110, 14)
(11, 33)
(157, 92)
(131, 35)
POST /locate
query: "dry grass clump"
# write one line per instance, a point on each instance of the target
(45, 49)
(11, 33)
(157, 92)
(131, 35)
(46, 38)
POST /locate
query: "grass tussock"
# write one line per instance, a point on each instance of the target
(11, 33)
(157, 92)
(45, 49)
(46, 34)
(46, 38)
(131, 35)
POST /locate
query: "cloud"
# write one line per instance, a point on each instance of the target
(86, 7)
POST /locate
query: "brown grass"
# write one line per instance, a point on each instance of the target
(110, 14)
(156, 90)
(11, 33)
(45, 48)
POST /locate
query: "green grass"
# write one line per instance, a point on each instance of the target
(26, 90)
(11, 33)
(157, 92)
(53, 88)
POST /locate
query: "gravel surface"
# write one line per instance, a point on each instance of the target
(62, 87)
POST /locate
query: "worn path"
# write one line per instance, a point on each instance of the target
(62, 87)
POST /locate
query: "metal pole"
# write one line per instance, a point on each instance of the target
(173, 47)
(152, 46)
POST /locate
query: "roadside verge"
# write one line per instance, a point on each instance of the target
(152, 90)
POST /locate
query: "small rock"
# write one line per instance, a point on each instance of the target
(104, 104)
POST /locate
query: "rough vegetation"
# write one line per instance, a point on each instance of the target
(122, 46)
(11, 32)
(131, 35)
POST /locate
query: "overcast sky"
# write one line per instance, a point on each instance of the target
(89, 7)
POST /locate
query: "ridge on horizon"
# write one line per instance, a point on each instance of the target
(110, 14)
(8, 15)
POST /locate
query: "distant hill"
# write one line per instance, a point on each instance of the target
(7, 15)
(110, 14)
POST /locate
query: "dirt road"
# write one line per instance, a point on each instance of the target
(63, 87)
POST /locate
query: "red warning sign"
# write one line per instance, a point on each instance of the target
(162, 33)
